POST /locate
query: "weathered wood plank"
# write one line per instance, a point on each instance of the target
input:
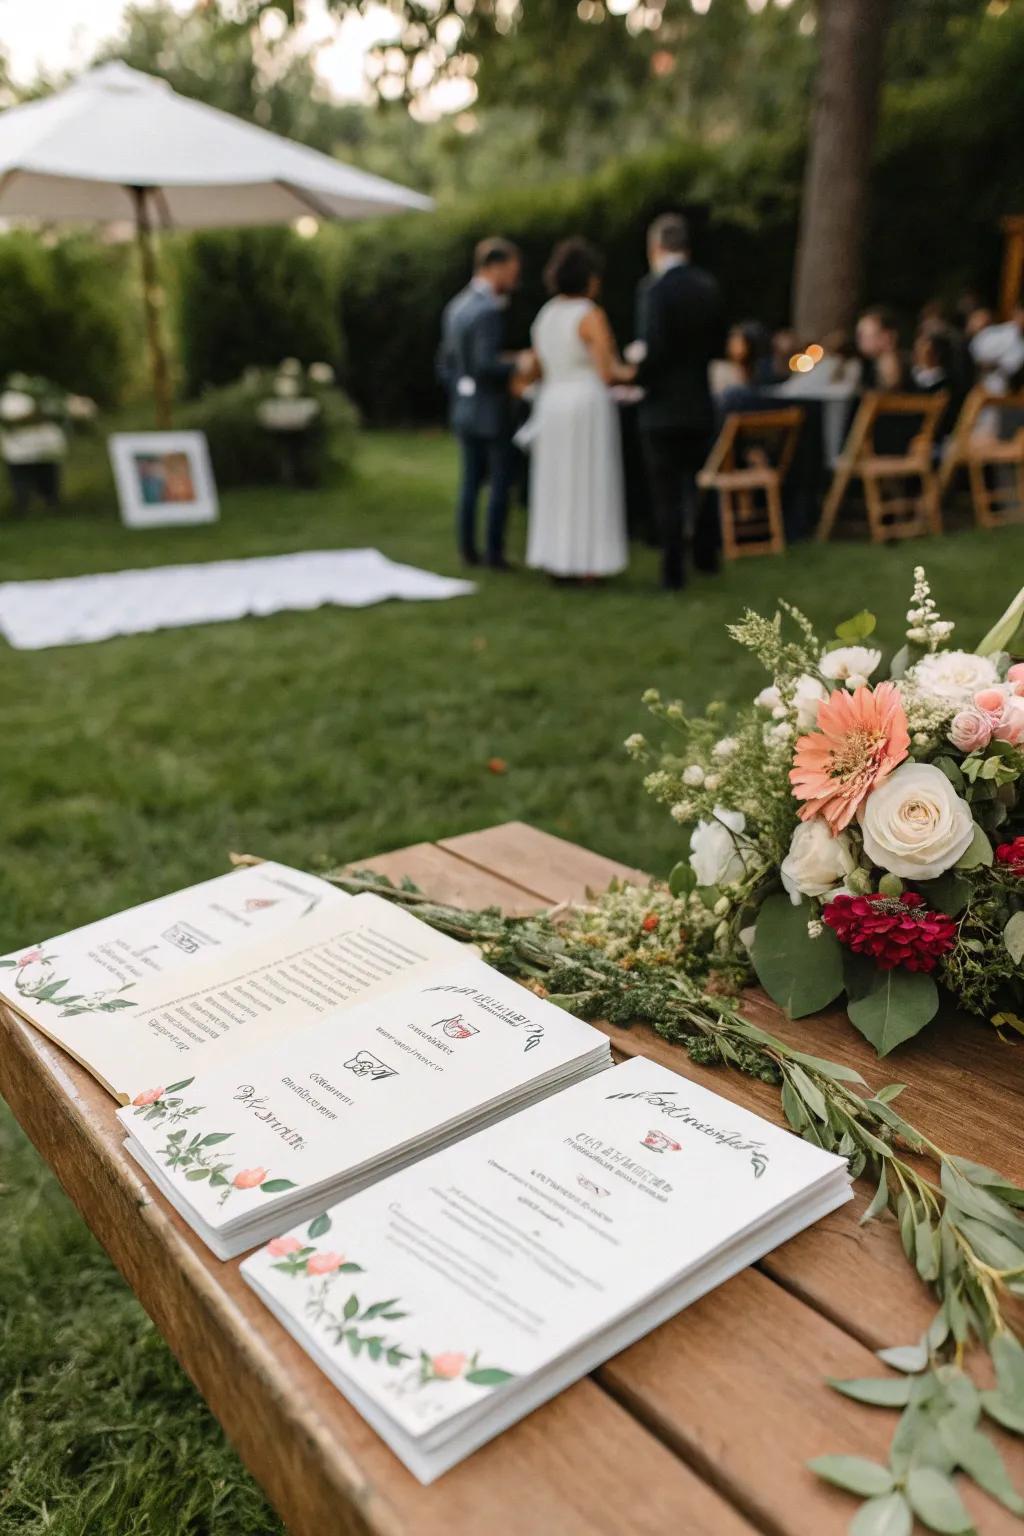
(579, 1466)
(544, 865)
(455, 881)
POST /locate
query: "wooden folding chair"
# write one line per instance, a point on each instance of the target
(976, 451)
(894, 511)
(746, 466)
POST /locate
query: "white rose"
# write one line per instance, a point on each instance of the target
(715, 857)
(953, 677)
(769, 698)
(915, 824)
(850, 664)
(807, 695)
(321, 373)
(816, 862)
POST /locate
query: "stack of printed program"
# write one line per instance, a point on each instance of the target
(458, 1295)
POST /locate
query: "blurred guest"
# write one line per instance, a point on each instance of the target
(679, 330)
(476, 373)
(998, 351)
(884, 365)
(737, 378)
(784, 345)
(936, 366)
(577, 502)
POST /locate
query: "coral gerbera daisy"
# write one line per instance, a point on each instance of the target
(860, 739)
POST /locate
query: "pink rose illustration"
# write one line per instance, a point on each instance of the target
(150, 1096)
(249, 1178)
(448, 1366)
(971, 728)
(30, 957)
(659, 1142)
(324, 1263)
(280, 1246)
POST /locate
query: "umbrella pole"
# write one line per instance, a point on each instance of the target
(152, 298)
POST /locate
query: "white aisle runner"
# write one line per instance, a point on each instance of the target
(75, 610)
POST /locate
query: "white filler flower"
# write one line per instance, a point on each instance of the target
(850, 664)
(715, 855)
(816, 862)
(952, 677)
(915, 824)
(807, 695)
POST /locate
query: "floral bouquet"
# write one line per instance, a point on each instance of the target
(855, 835)
(291, 403)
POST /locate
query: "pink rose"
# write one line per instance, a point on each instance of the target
(972, 728)
(448, 1366)
(324, 1263)
(1010, 726)
(1016, 673)
(149, 1097)
(280, 1246)
(30, 957)
(990, 700)
(249, 1178)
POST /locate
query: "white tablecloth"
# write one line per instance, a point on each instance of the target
(75, 610)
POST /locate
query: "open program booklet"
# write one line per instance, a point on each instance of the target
(273, 1135)
(454, 1297)
(188, 983)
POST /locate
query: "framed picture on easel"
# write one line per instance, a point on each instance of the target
(163, 478)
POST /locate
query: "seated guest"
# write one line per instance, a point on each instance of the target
(998, 352)
(884, 365)
(936, 366)
(736, 379)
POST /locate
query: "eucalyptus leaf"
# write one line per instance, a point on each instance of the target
(909, 1358)
(809, 1092)
(900, 662)
(992, 1246)
(792, 1107)
(895, 1006)
(888, 1515)
(854, 1473)
(1008, 1359)
(889, 1092)
(978, 853)
(980, 1459)
(1004, 1413)
(1013, 937)
(948, 893)
(879, 1200)
(879, 1391)
(801, 974)
(858, 628)
(682, 879)
(926, 1250)
(951, 768)
(936, 1502)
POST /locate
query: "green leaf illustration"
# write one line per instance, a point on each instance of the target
(195, 1174)
(275, 1186)
(488, 1376)
(350, 1308)
(186, 1082)
(215, 1137)
(319, 1225)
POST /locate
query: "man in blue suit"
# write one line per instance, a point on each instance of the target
(476, 373)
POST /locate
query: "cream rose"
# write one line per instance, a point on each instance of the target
(715, 855)
(915, 824)
(952, 677)
(816, 862)
(850, 664)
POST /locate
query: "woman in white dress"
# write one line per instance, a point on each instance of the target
(577, 498)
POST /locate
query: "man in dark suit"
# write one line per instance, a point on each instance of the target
(476, 373)
(679, 327)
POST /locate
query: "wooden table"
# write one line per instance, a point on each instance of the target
(701, 1429)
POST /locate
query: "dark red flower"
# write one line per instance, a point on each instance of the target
(650, 922)
(894, 930)
(1012, 854)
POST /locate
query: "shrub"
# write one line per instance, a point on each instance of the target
(249, 297)
(243, 452)
(63, 313)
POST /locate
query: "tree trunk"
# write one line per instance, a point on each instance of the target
(830, 248)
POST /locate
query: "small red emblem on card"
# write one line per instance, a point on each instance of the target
(657, 1141)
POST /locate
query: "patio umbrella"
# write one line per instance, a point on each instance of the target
(119, 145)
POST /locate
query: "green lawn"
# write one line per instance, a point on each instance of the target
(134, 766)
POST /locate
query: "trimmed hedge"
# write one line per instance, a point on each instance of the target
(242, 452)
(252, 296)
(62, 313)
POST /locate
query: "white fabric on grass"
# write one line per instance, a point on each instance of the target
(75, 610)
